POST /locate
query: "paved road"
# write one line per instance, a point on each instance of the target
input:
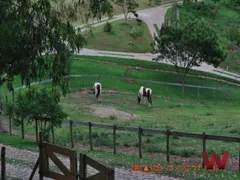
(150, 17)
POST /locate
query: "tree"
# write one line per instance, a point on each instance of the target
(189, 45)
(31, 30)
(40, 106)
(135, 33)
(128, 6)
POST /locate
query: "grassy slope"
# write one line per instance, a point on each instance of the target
(183, 115)
(220, 26)
(119, 39)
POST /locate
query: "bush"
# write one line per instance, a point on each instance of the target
(209, 10)
(139, 21)
(108, 27)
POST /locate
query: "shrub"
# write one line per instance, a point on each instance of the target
(209, 10)
(108, 27)
(139, 21)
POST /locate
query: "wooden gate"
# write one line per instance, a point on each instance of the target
(46, 152)
(105, 173)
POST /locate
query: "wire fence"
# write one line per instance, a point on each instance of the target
(168, 89)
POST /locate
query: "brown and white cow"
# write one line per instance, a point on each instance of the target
(145, 92)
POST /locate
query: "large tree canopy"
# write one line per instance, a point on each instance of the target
(189, 45)
(31, 29)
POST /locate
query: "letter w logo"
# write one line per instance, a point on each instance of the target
(215, 158)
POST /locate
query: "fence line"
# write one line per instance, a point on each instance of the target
(141, 130)
(134, 80)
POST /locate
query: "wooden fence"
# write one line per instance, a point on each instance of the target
(140, 132)
(3, 163)
(105, 173)
(98, 77)
(46, 152)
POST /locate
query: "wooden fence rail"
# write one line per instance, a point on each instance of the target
(105, 173)
(141, 130)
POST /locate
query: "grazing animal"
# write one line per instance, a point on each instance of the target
(145, 92)
(97, 90)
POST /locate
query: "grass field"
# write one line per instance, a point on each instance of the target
(218, 117)
(187, 115)
(119, 39)
(225, 19)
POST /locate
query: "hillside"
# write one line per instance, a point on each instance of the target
(224, 19)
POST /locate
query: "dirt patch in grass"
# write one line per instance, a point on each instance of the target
(111, 112)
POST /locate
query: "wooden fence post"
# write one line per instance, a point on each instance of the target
(168, 135)
(114, 139)
(90, 135)
(150, 84)
(69, 85)
(6, 98)
(111, 175)
(198, 94)
(214, 94)
(167, 89)
(134, 84)
(22, 127)
(229, 95)
(71, 133)
(116, 83)
(1, 105)
(3, 163)
(13, 96)
(82, 167)
(10, 126)
(183, 91)
(83, 81)
(204, 145)
(41, 155)
(140, 142)
(53, 139)
(36, 130)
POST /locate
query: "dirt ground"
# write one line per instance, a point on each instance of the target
(104, 111)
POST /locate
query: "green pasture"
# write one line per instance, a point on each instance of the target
(119, 38)
(170, 110)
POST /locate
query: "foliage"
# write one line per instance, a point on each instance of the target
(206, 9)
(107, 27)
(31, 29)
(174, 13)
(39, 105)
(135, 33)
(158, 2)
(139, 21)
(128, 6)
(189, 45)
(234, 34)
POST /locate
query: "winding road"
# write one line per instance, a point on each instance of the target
(150, 16)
